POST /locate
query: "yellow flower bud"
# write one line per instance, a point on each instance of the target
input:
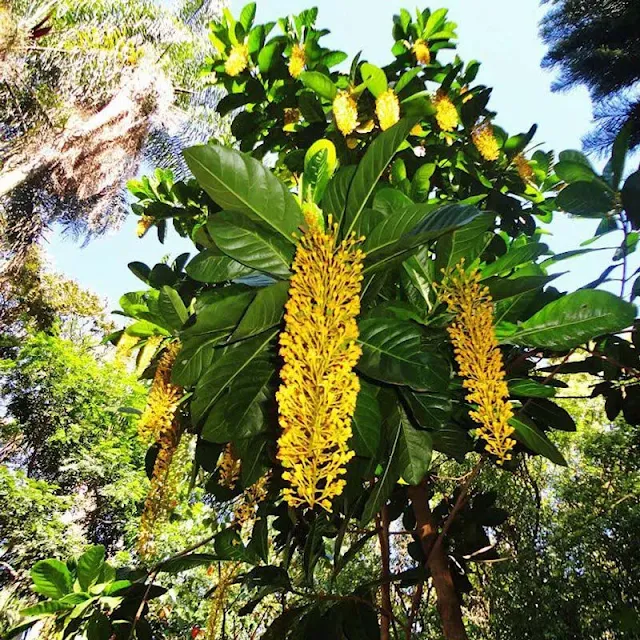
(297, 61)
(345, 111)
(387, 109)
(238, 60)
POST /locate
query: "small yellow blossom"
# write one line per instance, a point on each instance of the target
(229, 466)
(485, 141)
(227, 575)
(524, 168)
(297, 61)
(317, 397)
(417, 130)
(479, 358)
(245, 510)
(125, 346)
(466, 94)
(238, 60)
(146, 353)
(421, 52)
(387, 109)
(446, 112)
(144, 224)
(345, 111)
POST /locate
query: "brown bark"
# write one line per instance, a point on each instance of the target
(383, 538)
(447, 600)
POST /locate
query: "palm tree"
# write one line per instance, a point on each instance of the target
(597, 44)
(86, 89)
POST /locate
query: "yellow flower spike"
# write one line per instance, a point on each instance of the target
(245, 510)
(125, 346)
(218, 599)
(524, 168)
(421, 52)
(144, 224)
(479, 358)
(146, 353)
(317, 397)
(238, 60)
(345, 111)
(446, 112)
(387, 109)
(229, 466)
(297, 61)
(485, 141)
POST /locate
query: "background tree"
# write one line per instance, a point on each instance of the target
(596, 44)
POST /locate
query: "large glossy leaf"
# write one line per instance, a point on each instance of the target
(221, 313)
(187, 562)
(430, 410)
(631, 198)
(237, 182)
(265, 311)
(452, 440)
(414, 453)
(251, 245)
(90, 564)
(367, 422)
(466, 242)
(530, 388)
(320, 83)
(586, 199)
(43, 609)
(335, 197)
(572, 320)
(514, 258)
(194, 357)
(438, 222)
(392, 352)
(235, 362)
(239, 413)
(213, 266)
(535, 439)
(371, 168)
(51, 579)
(171, 308)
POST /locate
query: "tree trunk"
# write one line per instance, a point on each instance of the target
(447, 600)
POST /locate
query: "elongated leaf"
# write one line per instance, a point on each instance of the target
(392, 352)
(321, 84)
(453, 441)
(220, 314)
(43, 609)
(466, 242)
(228, 546)
(372, 166)
(530, 389)
(186, 562)
(171, 308)
(237, 182)
(265, 311)
(235, 362)
(430, 410)
(573, 320)
(514, 258)
(194, 357)
(586, 199)
(250, 245)
(367, 422)
(374, 78)
(414, 453)
(335, 197)
(90, 565)
(527, 433)
(51, 579)
(213, 266)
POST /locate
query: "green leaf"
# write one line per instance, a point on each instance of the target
(453, 441)
(335, 197)
(259, 543)
(466, 242)
(220, 314)
(631, 198)
(228, 546)
(237, 182)
(237, 361)
(319, 165)
(571, 171)
(90, 565)
(383, 249)
(51, 579)
(268, 56)
(140, 270)
(514, 258)
(392, 352)
(320, 83)
(371, 168)
(421, 182)
(574, 319)
(194, 357)
(171, 308)
(619, 154)
(239, 414)
(548, 414)
(251, 245)
(530, 388)
(247, 15)
(374, 78)
(213, 266)
(359, 621)
(430, 410)
(367, 422)
(586, 199)
(187, 562)
(99, 627)
(18, 630)
(43, 609)
(527, 433)
(252, 456)
(414, 453)
(265, 311)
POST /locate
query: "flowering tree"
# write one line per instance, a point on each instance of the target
(373, 304)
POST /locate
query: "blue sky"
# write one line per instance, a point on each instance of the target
(502, 34)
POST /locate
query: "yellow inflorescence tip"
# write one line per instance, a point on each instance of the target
(387, 109)
(345, 112)
(446, 112)
(297, 61)
(238, 60)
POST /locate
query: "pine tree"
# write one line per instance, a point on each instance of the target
(597, 44)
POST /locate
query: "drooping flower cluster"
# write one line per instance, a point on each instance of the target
(245, 510)
(238, 60)
(421, 52)
(479, 358)
(387, 109)
(146, 353)
(446, 112)
(319, 388)
(297, 61)
(125, 346)
(228, 468)
(345, 111)
(485, 141)
(524, 168)
(144, 224)
(158, 424)
(228, 572)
